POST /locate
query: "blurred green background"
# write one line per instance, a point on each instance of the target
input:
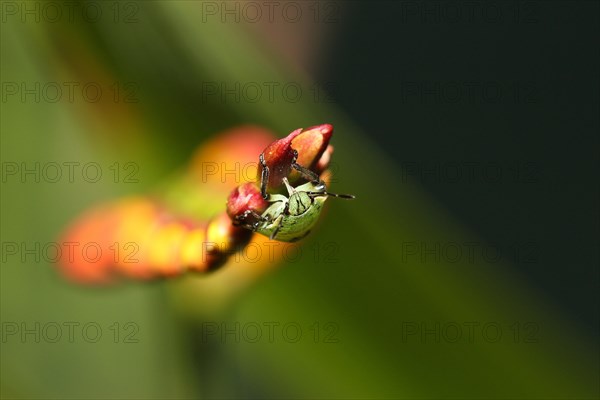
(368, 310)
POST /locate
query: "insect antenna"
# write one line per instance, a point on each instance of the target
(307, 173)
(341, 196)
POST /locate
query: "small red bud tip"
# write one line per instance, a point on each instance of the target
(243, 198)
(310, 145)
(278, 157)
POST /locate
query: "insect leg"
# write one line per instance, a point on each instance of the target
(250, 219)
(341, 196)
(279, 220)
(264, 176)
(286, 208)
(307, 174)
(277, 228)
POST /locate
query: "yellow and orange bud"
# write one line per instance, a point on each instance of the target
(89, 230)
(222, 240)
(236, 149)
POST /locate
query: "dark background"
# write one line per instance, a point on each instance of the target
(527, 107)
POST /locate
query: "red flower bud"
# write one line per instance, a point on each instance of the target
(305, 147)
(244, 199)
(278, 157)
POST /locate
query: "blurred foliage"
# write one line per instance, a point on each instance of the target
(366, 289)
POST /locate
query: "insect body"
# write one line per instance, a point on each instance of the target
(289, 219)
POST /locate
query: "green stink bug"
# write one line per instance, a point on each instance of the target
(289, 219)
